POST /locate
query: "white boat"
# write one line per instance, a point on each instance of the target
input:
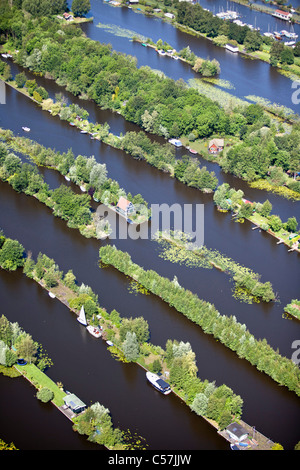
(175, 142)
(158, 383)
(83, 132)
(82, 318)
(26, 129)
(52, 295)
(231, 48)
(94, 331)
(110, 343)
(67, 178)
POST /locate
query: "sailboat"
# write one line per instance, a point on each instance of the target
(81, 317)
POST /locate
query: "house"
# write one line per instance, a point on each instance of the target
(283, 15)
(125, 207)
(237, 432)
(67, 16)
(74, 403)
(216, 145)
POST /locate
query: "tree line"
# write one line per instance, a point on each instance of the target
(131, 335)
(225, 329)
(157, 104)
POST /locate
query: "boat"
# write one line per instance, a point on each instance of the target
(193, 151)
(67, 178)
(175, 142)
(83, 132)
(231, 48)
(234, 447)
(81, 318)
(110, 343)
(26, 129)
(158, 383)
(52, 295)
(94, 331)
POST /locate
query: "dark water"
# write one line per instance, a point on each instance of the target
(82, 363)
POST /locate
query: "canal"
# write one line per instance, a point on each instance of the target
(244, 75)
(84, 365)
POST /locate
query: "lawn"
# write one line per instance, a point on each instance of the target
(41, 380)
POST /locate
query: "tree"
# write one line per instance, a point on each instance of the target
(266, 208)
(20, 79)
(275, 53)
(81, 7)
(275, 223)
(131, 347)
(287, 56)
(199, 404)
(45, 395)
(26, 347)
(292, 224)
(11, 255)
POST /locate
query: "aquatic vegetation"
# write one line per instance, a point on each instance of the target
(137, 288)
(121, 32)
(281, 190)
(225, 99)
(176, 248)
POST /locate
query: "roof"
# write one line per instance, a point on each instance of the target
(236, 429)
(282, 12)
(73, 401)
(216, 142)
(123, 203)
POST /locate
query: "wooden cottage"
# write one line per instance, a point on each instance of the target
(216, 145)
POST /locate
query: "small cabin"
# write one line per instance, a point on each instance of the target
(67, 16)
(74, 403)
(125, 207)
(216, 145)
(237, 432)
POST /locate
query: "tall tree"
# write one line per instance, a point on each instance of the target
(81, 7)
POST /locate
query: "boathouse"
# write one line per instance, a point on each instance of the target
(74, 403)
(216, 145)
(283, 15)
(125, 207)
(237, 432)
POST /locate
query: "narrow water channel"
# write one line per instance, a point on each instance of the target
(83, 364)
(33, 225)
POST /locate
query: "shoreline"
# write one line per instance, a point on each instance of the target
(193, 32)
(223, 433)
(111, 144)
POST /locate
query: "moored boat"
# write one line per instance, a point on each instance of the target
(158, 383)
(26, 129)
(82, 318)
(175, 142)
(94, 331)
